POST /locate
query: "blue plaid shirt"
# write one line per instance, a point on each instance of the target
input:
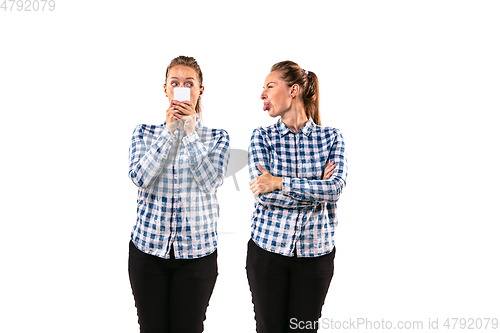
(177, 176)
(302, 215)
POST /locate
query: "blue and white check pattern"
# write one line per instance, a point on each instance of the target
(177, 177)
(302, 215)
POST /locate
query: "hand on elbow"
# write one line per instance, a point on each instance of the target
(265, 182)
(328, 171)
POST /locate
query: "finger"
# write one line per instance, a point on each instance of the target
(330, 166)
(186, 104)
(255, 190)
(261, 169)
(184, 107)
(183, 113)
(328, 172)
(172, 117)
(176, 115)
(171, 111)
(256, 183)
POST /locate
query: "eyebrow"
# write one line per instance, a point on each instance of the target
(268, 84)
(188, 78)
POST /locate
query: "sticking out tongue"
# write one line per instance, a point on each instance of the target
(266, 106)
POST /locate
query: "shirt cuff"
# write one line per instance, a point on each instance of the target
(286, 184)
(167, 134)
(190, 138)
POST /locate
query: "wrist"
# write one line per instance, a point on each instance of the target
(279, 183)
(171, 125)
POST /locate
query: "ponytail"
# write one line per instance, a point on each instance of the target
(311, 97)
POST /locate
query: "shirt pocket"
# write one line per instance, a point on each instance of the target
(312, 166)
(280, 166)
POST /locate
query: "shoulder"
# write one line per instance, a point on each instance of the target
(219, 132)
(213, 133)
(147, 130)
(327, 132)
(265, 132)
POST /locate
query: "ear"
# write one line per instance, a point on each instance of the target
(202, 90)
(165, 89)
(294, 90)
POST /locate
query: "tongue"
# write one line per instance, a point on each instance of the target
(266, 107)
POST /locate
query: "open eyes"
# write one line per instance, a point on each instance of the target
(186, 84)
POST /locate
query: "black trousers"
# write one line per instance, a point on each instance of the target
(171, 295)
(287, 292)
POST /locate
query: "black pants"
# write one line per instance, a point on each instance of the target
(287, 292)
(171, 295)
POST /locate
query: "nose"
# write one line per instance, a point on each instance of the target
(263, 96)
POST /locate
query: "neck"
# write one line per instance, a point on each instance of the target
(295, 118)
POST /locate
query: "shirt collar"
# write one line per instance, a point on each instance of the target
(306, 129)
(198, 124)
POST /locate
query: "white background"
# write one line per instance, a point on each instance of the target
(412, 85)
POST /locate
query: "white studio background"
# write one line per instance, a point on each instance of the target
(413, 86)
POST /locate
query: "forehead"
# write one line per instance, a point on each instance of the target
(273, 77)
(182, 72)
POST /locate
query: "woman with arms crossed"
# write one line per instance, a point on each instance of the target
(177, 167)
(298, 170)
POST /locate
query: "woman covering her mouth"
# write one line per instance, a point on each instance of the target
(298, 170)
(177, 167)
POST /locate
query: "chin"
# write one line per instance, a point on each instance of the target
(272, 114)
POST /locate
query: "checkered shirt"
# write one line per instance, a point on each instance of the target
(302, 215)
(177, 176)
